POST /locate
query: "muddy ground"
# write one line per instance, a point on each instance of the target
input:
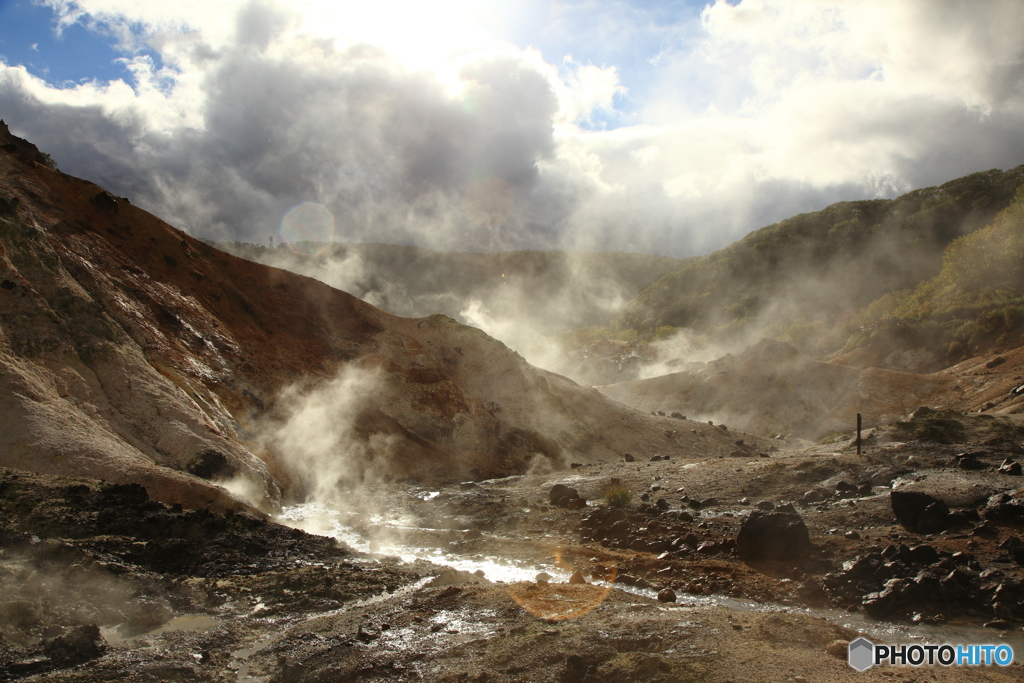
(100, 583)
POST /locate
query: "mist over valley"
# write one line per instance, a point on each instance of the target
(562, 342)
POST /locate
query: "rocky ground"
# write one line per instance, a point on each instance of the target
(101, 583)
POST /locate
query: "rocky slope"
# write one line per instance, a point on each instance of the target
(771, 388)
(131, 352)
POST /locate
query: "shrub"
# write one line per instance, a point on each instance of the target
(618, 496)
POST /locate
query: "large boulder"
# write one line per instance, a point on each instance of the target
(919, 512)
(773, 536)
(565, 497)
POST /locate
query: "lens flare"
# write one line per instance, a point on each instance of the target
(308, 229)
(562, 601)
(558, 601)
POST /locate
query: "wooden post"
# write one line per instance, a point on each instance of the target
(858, 433)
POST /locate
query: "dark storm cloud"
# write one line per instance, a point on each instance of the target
(391, 154)
(237, 121)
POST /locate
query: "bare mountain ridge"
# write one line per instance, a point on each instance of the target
(771, 388)
(545, 291)
(132, 352)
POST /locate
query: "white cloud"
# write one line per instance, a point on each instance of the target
(411, 123)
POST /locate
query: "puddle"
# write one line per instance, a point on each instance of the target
(184, 623)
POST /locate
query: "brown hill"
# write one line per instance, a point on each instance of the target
(130, 351)
(771, 388)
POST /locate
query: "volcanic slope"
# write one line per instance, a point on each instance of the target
(772, 388)
(131, 352)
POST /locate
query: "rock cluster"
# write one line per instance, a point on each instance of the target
(902, 580)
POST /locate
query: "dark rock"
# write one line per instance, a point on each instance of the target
(662, 504)
(909, 506)
(786, 507)
(923, 554)
(969, 461)
(80, 645)
(1001, 624)
(666, 595)
(986, 529)
(575, 465)
(1002, 508)
(678, 416)
(106, 202)
(1011, 467)
(813, 496)
(765, 505)
(577, 577)
(960, 518)
(367, 635)
(773, 536)
(882, 604)
(564, 497)
(628, 457)
(862, 566)
(212, 464)
(934, 518)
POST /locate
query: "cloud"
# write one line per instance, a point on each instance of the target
(412, 124)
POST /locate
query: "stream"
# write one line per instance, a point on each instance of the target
(325, 520)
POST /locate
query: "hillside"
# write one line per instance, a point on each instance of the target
(134, 353)
(524, 295)
(770, 388)
(975, 302)
(803, 279)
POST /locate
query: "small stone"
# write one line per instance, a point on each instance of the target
(543, 577)
(852, 535)
(577, 577)
(839, 648)
(666, 595)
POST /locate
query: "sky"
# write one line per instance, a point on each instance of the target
(664, 127)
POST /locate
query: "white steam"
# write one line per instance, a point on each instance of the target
(316, 441)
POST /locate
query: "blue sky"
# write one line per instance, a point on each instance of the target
(638, 126)
(29, 36)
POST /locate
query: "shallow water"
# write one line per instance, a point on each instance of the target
(325, 520)
(184, 622)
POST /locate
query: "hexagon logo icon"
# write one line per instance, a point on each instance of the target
(860, 654)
